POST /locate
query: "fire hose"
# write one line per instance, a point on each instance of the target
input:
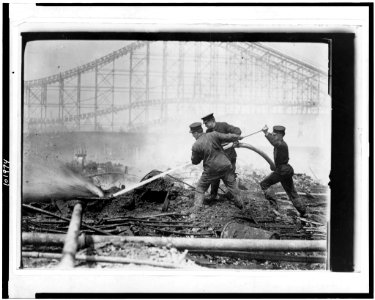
(236, 145)
(261, 153)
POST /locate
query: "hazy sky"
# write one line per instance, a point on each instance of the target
(45, 58)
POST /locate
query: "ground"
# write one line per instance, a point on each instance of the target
(145, 212)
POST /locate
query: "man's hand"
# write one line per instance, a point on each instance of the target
(265, 129)
(240, 137)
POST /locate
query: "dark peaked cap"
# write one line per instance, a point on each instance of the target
(279, 129)
(196, 127)
(208, 117)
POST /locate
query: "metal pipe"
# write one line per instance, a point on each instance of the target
(185, 243)
(71, 240)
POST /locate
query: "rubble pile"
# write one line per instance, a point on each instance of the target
(141, 212)
(305, 183)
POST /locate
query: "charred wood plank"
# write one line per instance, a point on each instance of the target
(160, 215)
(166, 203)
(183, 233)
(125, 219)
(166, 225)
(311, 222)
(51, 230)
(62, 218)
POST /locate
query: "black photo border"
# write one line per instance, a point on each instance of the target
(342, 184)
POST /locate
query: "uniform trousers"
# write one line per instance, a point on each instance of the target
(206, 179)
(288, 185)
(215, 184)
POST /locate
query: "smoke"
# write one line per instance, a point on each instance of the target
(308, 138)
(46, 179)
(166, 145)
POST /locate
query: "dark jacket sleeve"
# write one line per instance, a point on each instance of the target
(232, 129)
(226, 138)
(272, 139)
(196, 158)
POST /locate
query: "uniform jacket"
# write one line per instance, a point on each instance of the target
(224, 127)
(280, 155)
(208, 148)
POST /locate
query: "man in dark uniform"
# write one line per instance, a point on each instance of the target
(216, 164)
(283, 172)
(222, 127)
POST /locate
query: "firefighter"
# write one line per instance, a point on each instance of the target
(216, 165)
(222, 127)
(283, 172)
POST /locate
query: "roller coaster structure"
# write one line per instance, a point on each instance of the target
(143, 82)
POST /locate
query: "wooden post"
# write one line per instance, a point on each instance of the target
(166, 203)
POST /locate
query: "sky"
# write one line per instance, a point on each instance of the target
(46, 58)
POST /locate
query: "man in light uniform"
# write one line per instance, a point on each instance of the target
(216, 165)
(222, 127)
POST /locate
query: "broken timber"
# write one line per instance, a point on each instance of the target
(166, 203)
(304, 194)
(62, 218)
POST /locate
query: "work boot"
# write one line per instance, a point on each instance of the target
(210, 200)
(302, 212)
(300, 206)
(198, 203)
(191, 211)
(238, 202)
(229, 195)
(273, 203)
(268, 195)
(213, 197)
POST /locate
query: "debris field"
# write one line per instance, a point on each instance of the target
(158, 209)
